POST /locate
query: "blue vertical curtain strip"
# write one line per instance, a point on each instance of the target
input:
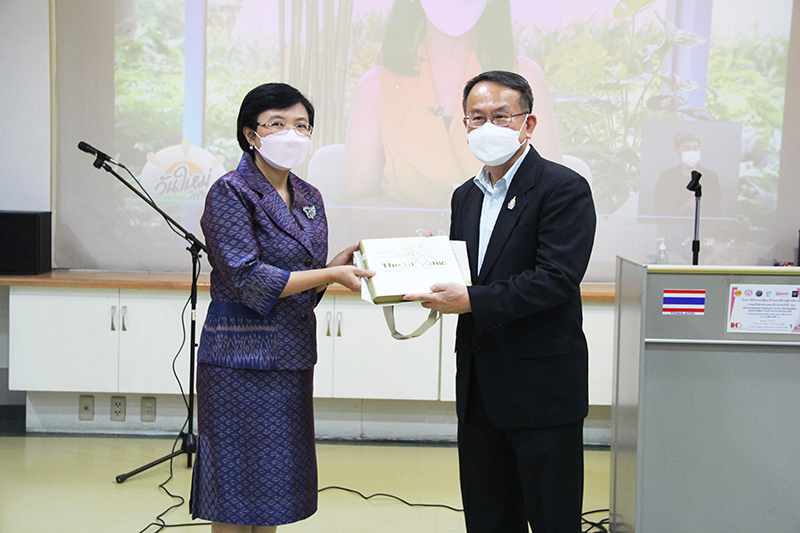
(194, 76)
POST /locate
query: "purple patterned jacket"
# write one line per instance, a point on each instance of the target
(254, 241)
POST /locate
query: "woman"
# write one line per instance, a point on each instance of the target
(405, 138)
(267, 240)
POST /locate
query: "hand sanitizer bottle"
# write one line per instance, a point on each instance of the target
(662, 257)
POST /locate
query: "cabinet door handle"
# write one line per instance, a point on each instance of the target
(328, 318)
(338, 324)
(122, 317)
(113, 316)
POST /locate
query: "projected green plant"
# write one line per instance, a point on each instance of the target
(748, 74)
(326, 66)
(239, 66)
(148, 108)
(607, 80)
(608, 77)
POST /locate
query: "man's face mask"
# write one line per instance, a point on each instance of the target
(494, 145)
(691, 158)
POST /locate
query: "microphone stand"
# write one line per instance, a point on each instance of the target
(694, 185)
(188, 438)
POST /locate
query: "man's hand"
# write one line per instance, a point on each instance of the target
(448, 298)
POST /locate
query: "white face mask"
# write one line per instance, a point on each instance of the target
(690, 159)
(494, 145)
(453, 17)
(285, 149)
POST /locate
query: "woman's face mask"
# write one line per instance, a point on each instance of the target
(285, 149)
(453, 17)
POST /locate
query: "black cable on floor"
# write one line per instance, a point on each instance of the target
(167, 526)
(159, 520)
(441, 505)
(595, 527)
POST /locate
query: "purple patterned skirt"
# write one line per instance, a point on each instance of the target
(256, 461)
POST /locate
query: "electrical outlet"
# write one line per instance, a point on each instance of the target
(86, 408)
(148, 409)
(118, 408)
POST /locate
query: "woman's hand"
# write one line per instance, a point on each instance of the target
(345, 257)
(349, 275)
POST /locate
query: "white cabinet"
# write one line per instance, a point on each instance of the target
(98, 340)
(67, 339)
(152, 331)
(448, 383)
(358, 358)
(598, 326)
(58, 342)
(124, 341)
(326, 333)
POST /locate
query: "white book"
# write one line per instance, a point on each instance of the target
(409, 265)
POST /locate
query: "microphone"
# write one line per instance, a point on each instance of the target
(100, 156)
(695, 183)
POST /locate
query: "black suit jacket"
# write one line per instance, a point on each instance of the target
(524, 336)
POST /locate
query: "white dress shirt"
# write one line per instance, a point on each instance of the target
(493, 201)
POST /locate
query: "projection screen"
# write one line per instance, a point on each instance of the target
(628, 94)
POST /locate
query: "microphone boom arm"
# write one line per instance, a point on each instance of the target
(191, 239)
(188, 437)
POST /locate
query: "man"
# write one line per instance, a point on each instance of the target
(671, 197)
(522, 380)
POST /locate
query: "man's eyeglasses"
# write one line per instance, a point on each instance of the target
(499, 119)
(275, 127)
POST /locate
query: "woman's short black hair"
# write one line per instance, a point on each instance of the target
(263, 98)
(512, 80)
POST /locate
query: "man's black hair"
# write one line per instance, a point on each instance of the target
(511, 80)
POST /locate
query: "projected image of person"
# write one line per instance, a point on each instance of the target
(267, 239)
(671, 197)
(404, 143)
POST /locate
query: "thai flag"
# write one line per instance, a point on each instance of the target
(684, 302)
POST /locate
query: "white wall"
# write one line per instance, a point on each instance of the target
(25, 132)
(25, 105)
